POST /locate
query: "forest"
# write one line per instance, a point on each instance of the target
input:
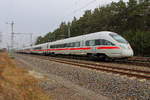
(129, 19)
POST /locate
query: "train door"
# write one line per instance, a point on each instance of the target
(91, 45)
(110, 48)
(94, 51)
(101, 46)
(46, 49)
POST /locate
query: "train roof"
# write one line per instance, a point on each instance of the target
(72, 39)
(90, 34)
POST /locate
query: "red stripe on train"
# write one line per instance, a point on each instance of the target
(112, 47)
(65, 49)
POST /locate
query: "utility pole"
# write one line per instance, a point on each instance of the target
(0, 39)
(8, 47)
(68, 30)
(31, 35)
(12, 38)
(31, 39)
(12, 34)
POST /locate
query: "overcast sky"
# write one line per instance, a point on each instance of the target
(39, 16)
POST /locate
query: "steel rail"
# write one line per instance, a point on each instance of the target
(122, 71)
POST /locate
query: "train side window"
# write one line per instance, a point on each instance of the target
(65, 44)
(58, 45)
(68, 45)
(77, 44)
(90, 43)
(37, 48)
(61, 46)
(54, 46)
(98, 42)
(87, 43)
(106, 42)
(102, 42)
(51, 46)
(72, 44)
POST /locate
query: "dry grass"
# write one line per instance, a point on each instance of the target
(16, 83)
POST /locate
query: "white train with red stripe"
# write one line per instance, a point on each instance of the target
(101, 44)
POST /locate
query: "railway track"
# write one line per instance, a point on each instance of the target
(138, 61)
(142, 74)
(134, 62)
(142, 61)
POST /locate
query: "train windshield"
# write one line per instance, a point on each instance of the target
(119, 38)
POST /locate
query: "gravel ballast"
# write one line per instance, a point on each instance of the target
(113, 86)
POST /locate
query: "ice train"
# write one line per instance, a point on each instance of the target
(103, 44)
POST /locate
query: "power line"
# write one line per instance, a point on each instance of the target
(89, 3)
(66, 14)
(31, 36)
(76, 10)
(79, 9)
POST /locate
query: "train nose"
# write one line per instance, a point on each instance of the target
(127, 53)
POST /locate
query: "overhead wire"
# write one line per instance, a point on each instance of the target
(62, 18)
(89, 3)
(77, 10)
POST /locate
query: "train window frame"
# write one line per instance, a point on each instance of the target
(72, 44)
(47, 46)
(37, 48)
(101, 42)
(77, 44)
(87, 43)
(98, 43)
(51, 46)
(90, 43)
(119, 38)
(106, 42)
(66, 45)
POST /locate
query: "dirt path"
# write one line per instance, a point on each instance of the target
(16, 83)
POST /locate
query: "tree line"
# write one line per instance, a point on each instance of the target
(130, 19)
